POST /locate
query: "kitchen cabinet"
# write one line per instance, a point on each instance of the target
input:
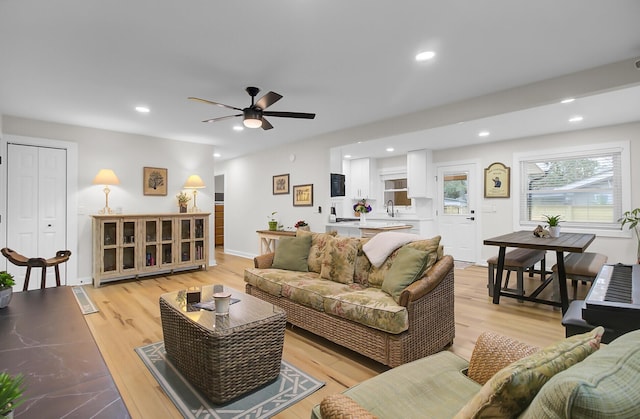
(420, 175)
(127, 246)
(362, 172)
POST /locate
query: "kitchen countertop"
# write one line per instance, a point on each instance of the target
(374, 224)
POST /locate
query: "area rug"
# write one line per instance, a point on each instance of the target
(85, 303)
(290, 387)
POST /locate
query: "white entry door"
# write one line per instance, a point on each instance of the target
(36, 208)
(457, 217)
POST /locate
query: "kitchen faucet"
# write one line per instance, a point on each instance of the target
(392, 209)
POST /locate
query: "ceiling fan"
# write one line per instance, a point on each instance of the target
(254, 115)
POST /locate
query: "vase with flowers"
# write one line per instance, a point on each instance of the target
(302, 225)
(362, 208)
(183, 200)
(273, 221)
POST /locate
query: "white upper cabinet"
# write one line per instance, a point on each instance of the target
(420, 174)
(361, 177)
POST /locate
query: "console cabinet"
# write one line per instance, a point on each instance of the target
(128, 246)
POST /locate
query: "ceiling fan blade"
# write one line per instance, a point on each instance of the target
(302, 115)
(222, 105)
(221, 118)
(268, 100)
(266, 124)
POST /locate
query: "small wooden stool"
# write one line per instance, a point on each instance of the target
(517, 260)
(579, 267)
(20, 260)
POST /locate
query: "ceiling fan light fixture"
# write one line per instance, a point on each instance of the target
(252, 118)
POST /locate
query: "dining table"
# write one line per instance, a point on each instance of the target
(565, 242)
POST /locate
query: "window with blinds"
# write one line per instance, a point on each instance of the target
(584, 188)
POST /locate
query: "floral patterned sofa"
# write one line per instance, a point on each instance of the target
(396, 310)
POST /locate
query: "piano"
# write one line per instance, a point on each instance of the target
(614, 299)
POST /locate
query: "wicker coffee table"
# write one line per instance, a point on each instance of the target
(223, 356)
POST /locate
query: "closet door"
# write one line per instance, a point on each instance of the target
(36, 208)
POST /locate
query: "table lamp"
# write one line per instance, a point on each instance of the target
(106, 177)
(194, 182)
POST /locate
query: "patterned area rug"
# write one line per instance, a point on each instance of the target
(85, 303)
(291, 386)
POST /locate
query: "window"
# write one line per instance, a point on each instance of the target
(396, 190)
(584, 186)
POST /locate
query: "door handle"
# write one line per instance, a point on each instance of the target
(471, 218)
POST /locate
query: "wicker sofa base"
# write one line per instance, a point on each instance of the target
(431, 326)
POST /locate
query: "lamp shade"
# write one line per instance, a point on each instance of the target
(106, 177)
(194, 182)
(252, 118)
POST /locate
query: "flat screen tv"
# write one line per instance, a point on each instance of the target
(337, 184)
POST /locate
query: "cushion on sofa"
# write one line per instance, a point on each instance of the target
(407, 267)
(316, 251)
(363, 265)
(340, 259)
(376, 275)
(605, 385)
(511, 389)
(310, 292)
(292, 254)
(369, 306)
(271, 280)
(383, 244)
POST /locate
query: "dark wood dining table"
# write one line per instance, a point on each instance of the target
(567, 242)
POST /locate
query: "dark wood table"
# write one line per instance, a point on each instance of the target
(567, 242)
(45, 337)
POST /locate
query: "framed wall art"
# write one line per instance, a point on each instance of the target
(497, 181)
(154, 181)
(281, 184)
(303, 195)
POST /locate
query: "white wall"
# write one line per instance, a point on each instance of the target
(248, 184)
(126, 154)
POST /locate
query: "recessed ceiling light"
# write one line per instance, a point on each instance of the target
(347, 156)
(483, 134)
(567, 100)
(425, 56)
(217, 154)
(576, 118)
(142, 109)
(390, 149)
(238, 128)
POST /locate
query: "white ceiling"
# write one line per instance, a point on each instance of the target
(90, 62)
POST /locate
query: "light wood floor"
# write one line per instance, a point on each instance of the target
(129, 317)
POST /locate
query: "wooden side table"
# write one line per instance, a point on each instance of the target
(267, 239)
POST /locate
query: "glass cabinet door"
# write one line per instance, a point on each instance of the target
(166, 235)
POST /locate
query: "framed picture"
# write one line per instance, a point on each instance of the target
(281, 184)
(497, 181)
(303, 195)
(154, 181)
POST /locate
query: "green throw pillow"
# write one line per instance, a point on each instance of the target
(292, 253)
(511, 389)
(407, 267)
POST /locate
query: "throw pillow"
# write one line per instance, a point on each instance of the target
(383, 244)
(408, 266)
(605, 385)
(318, 245)
(510, 390)
(339, 261)
(292, 253)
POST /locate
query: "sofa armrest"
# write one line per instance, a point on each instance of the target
(263, 261)
(428, 282)
(339, 406)
(492, 353)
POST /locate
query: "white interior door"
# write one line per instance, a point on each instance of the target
(36, 208)
(457, 217)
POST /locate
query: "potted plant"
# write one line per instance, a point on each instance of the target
(553, 222)
(632, 218)
(302, 225)
(273, 222)
(11, 393)
(183, 200)
(6, 288)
